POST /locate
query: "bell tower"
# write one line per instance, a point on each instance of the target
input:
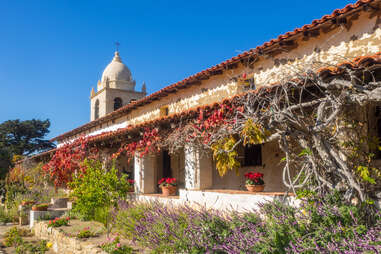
(115, 89)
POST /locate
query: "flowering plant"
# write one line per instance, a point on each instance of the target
(131, 183)
(254, 178)
(113, 246)
(58, 222)
(86, 233)
(164, 182)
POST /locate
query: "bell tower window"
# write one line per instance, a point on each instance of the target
(118, 103)
(96, 110)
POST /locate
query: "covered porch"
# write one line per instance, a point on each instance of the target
(200, 184)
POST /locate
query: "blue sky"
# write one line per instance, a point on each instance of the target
(53, 52)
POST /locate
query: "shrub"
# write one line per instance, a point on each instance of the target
(86, 233)
(13, 237)
(320, 225)
(28, 248)
(14, 192)
(4, 216)
(113, 246)
(97, 188)
(128, 216)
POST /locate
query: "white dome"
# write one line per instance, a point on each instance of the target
(116, 70)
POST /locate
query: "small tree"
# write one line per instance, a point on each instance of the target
(97, 191)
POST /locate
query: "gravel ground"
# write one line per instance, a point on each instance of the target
(11, 250)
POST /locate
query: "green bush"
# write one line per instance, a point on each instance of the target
(97, 188)
(13, 237)
(4, 216)
(14, 194)
(127, 218)
(113, 246)
(86, 233)
(29, 248)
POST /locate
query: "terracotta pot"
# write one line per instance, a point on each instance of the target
(169, 190)
(25, 203)
(255, 188)
(131, 189)
(36, 208)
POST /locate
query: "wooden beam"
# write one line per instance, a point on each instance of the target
(216, 72)
(196, 82)
(232, 66)
(204, 77)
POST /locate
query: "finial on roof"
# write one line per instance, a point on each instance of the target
(92, 93)
(144, 87)
(117, 57)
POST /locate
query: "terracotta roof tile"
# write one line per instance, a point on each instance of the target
(188, 81)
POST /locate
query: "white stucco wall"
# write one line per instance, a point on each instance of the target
(223, 202)
(340, 44)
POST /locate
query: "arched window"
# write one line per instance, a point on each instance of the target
(96, 110)
(118, 103)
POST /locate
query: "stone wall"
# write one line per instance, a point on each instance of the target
(63, 244)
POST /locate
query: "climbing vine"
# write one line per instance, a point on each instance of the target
(67, 160)
(307, 115)
(225, 154)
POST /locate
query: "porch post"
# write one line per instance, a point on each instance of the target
(145, 173)
(198, 169)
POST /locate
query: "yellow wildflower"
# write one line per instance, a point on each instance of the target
(49, 245)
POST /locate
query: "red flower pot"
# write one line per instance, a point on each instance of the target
(255, 188)
(169, 190)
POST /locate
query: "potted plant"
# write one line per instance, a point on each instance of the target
(27, 202)
(40, 207)
(131, 182)
(168, 186)
(254, 182)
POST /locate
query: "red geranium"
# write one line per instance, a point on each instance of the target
(167, 182)
(254, 178)
(58, 222)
